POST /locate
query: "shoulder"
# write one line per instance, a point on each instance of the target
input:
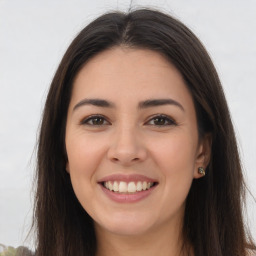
(251, 253)
(11, 251)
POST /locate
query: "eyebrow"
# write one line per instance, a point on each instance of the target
(94, 102)
(159, 102)
(142, 105)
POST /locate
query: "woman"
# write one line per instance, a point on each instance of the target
(137, 154)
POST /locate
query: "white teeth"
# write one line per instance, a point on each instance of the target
(110, 186)
(131, 187)
(139, 186)
(115, 186)
(149, 185)
(124, 187)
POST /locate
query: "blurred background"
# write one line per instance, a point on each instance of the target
(33, 38)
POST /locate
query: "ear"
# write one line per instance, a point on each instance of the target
(203, 154)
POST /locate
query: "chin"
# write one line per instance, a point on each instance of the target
(127, 225)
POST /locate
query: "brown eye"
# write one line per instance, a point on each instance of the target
(161, 120)
(95, 120)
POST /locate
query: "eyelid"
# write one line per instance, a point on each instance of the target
(167, 117)
(85, 120)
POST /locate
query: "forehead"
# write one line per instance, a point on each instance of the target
(124, 73)
(124, 61)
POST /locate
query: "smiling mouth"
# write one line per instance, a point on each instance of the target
(128, 187)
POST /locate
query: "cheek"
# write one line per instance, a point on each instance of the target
(84, 153)
(175, 154)
(175, 158)
(176, 163)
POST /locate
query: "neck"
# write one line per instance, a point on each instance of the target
(160, 242)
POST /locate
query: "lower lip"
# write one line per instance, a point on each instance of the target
(127, 198)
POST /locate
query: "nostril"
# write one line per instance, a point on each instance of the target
(115, 159)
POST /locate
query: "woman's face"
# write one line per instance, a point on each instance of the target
(132, 141)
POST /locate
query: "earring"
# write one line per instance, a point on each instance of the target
(201, 171)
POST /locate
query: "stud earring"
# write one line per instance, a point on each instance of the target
(201, 171)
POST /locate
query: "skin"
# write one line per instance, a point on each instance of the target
(131, 140)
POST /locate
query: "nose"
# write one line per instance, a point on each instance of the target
(127, 148)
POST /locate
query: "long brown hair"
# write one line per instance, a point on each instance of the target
(213, 221)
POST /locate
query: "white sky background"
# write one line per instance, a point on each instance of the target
(33, 38)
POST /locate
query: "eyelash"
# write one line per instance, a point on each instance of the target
(164, 120)
(167, 120)
(93, 118)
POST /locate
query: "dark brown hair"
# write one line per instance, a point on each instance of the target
(213, 221)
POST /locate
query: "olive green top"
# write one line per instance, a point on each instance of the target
(11, 251)
(23, 251)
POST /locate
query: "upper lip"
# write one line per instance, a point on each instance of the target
(127, 178)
